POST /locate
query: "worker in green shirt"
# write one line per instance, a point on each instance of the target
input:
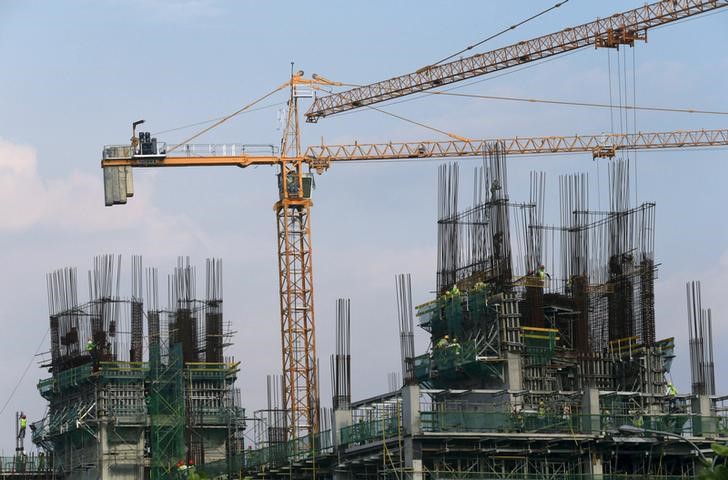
(23, 425)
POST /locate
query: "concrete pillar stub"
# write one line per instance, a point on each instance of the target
(342, 418)
(705, 426)
(514, 371)
(411, 410)
(591, 411)
(413, 459)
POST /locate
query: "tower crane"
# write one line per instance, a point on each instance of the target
(296, 292)
(294, 203)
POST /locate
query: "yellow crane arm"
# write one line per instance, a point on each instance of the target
(604, 145)
(320, 156)
(621, 28)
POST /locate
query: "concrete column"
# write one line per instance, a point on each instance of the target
(413, 459)
(342, 418)
(412, 427)
(514, 378)
(411, 410)
(591, 414)
(103, 447)
(590, 411)
(514, 371)
(595, 466)
(703, 424)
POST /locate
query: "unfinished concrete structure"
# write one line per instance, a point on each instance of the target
(541, 365)
(125, 405)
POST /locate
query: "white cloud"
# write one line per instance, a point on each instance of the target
(20, 187)
(75, 203)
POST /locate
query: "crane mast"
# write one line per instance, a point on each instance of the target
(295, 277)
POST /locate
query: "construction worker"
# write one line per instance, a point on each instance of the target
(23, 423)
(192, 471)
(670, 390)
(444, 342)
(518, 418)
(455, 347)
(541, 273)
(181, 469)
(93, 353)
(454, 291)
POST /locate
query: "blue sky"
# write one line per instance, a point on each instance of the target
(75, 74)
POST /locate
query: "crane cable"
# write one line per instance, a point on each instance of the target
(420, 124)
(583, 104)
(414, 122)
(204, 122)
(512, 27)
(228, 117)
(25, 372)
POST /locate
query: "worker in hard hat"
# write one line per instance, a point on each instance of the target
(541, 412)
(22, 425)
(181, 469)
(455, 347)
(93, 353)
(192, 471)
(670, 390)
(671, 393)
(443, 342)
(541, 272)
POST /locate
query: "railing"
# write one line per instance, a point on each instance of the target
(531, 422)
(22, 463)
(365, 432)
(299, 449)
(211, 371)
(124, 370)
(222, 150)
(66, 379)
(448, 475)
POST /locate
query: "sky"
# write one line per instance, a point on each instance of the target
(75, 74)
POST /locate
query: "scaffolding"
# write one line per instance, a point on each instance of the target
(123, 412)
(542, 355)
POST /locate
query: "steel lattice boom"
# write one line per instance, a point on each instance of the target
(618, 29)
(605, 145)
(320, 156)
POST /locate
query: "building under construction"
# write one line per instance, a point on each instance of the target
(135, 388)
(543, 361)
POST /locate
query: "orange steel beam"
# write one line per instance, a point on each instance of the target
(621, 28)
(320, 156)
(193, 161)
(605, 145)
